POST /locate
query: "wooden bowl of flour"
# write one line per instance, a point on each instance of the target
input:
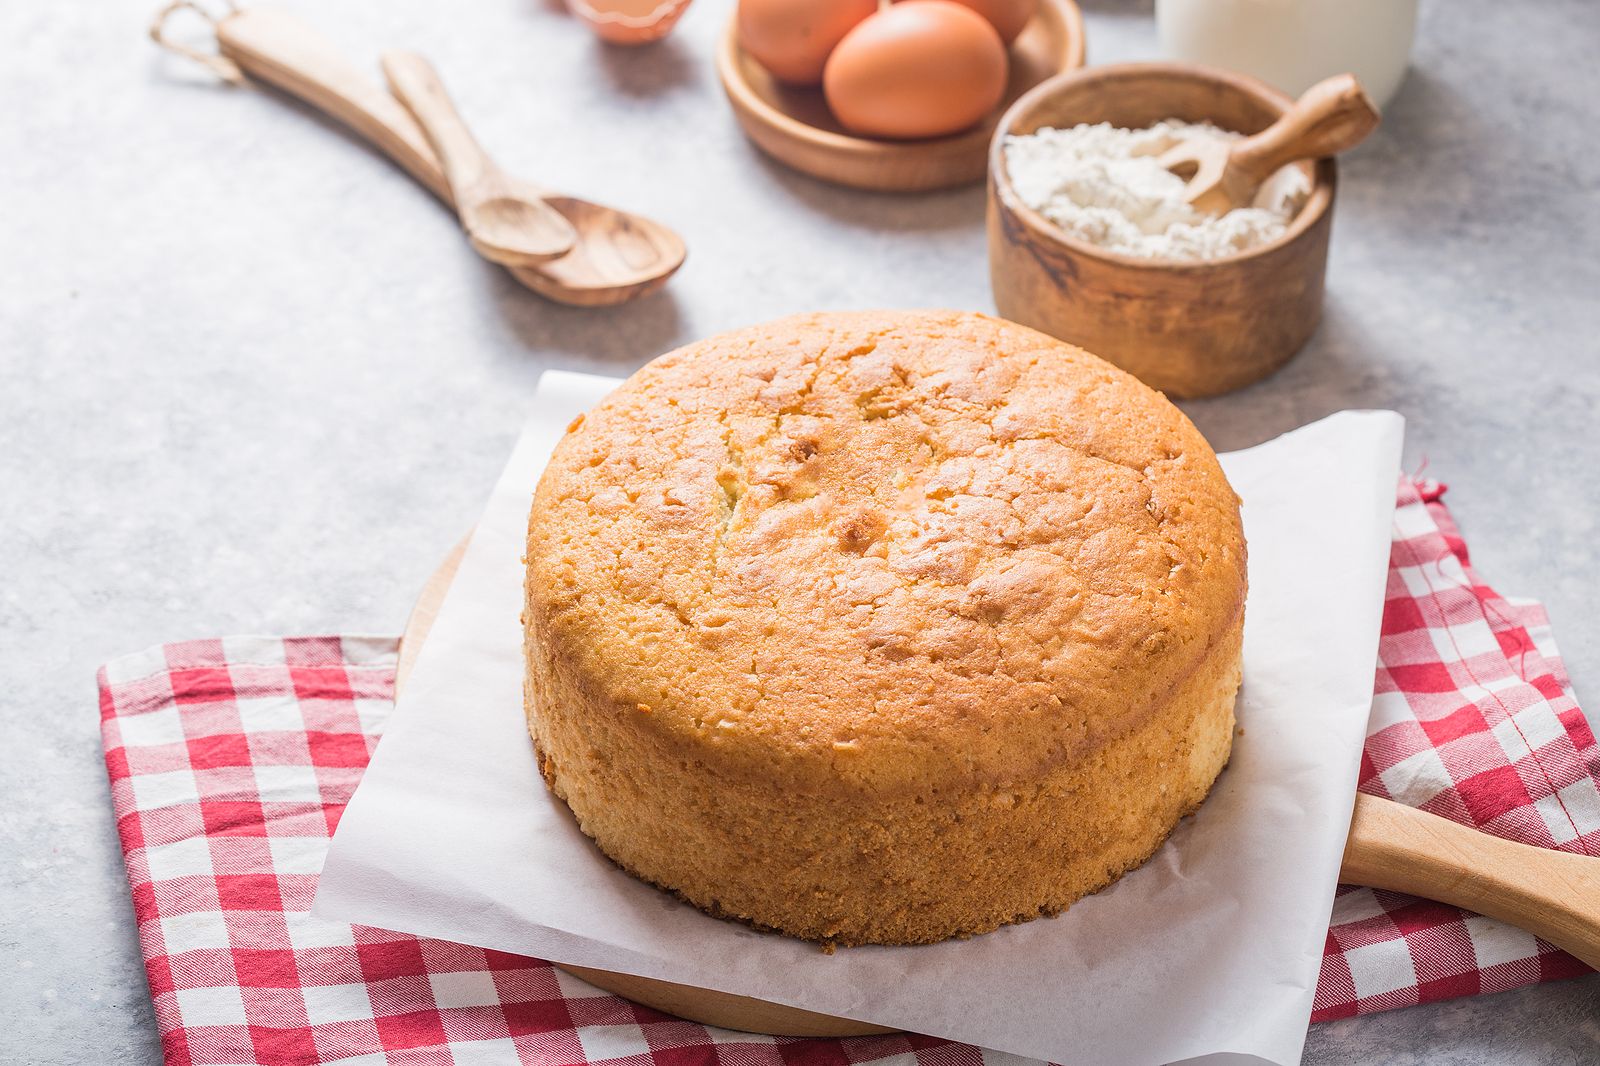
(1187, 327)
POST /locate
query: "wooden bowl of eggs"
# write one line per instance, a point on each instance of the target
(900, 96)
(1188, 326)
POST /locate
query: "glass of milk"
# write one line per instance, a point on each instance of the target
(1293, 44)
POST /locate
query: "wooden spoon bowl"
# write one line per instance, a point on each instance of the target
(623, 256)
(795, 127)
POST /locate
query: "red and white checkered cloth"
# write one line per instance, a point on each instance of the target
(231, 760)
(1473, 719)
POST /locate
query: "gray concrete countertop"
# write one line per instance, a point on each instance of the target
(252, 380)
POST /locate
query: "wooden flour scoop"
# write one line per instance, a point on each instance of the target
(1330, 117)
(1552, 894)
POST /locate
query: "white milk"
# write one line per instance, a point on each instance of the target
(1293, 44)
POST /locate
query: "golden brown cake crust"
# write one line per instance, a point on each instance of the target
(824, 574)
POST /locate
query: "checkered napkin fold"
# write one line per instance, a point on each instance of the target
(231, 761)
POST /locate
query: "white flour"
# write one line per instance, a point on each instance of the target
(1103, 185)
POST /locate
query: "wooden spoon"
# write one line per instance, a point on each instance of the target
(618, 256)
(506, 219)
(1331, 116)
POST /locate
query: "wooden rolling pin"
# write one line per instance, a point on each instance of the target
(1552, 894)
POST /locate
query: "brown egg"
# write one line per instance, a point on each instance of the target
(792, 38)
(1008, 17)
(922, 68)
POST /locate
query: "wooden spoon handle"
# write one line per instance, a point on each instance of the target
(466, 165)
(284, 52)
(1331, 116)
(1551, 894)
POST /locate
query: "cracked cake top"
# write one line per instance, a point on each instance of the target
(883, 550)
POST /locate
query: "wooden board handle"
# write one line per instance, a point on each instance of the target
(1551, 894)
(279, 49)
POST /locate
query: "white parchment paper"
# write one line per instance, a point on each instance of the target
(1210, 949)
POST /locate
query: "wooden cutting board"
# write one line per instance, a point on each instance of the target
(1552, 894)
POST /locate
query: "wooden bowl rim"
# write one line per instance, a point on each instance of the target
(1318, 202)
(759, 110)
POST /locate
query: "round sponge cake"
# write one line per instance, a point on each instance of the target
(882, 627)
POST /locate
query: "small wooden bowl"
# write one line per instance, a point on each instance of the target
(1187, 328)
(794, 125)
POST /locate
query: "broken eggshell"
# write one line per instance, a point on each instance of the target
(629, 21)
